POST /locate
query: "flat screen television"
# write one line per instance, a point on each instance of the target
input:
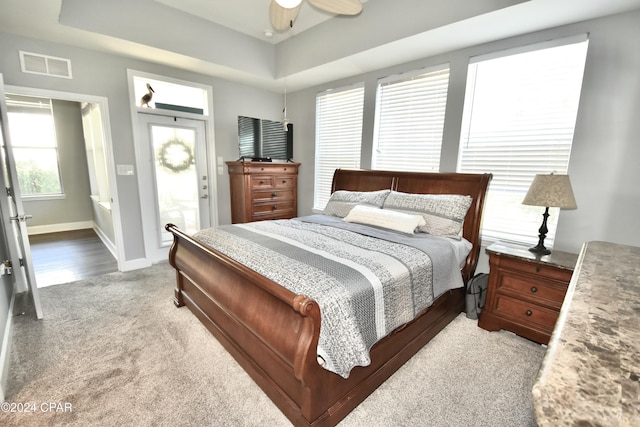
(264, 140)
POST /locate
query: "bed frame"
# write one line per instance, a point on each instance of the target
(273, 333)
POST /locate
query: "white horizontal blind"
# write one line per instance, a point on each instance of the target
(410, 121)
(519, 119)
(338, 137)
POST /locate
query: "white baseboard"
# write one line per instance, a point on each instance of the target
(56, 228)
(105, 240)
(135, 264)
(5, 350)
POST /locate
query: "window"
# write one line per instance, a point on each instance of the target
(410, 121)
(338, 137)
(167, 95)
(96, 156)
(518, 121)
(35, 150)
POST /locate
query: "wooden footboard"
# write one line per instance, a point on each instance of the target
(273, 333)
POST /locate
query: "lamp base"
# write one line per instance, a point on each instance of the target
(540, 250)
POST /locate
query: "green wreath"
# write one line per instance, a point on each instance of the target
(173, 150)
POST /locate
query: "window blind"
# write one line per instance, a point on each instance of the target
(409, 122)
(338, 137)
(518, 121)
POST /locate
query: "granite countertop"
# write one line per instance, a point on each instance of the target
(590, 375)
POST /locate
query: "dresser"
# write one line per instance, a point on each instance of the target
(525, 291)
(590, 372)
(263, 190)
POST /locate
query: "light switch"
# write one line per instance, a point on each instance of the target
(124, 169)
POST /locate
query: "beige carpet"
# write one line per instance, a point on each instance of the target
(114, 351)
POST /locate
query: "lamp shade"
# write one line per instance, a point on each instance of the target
(551, 191)
(289, 4)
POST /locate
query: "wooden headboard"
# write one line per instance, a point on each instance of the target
(474, 185)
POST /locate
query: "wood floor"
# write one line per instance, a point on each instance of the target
(69, 256)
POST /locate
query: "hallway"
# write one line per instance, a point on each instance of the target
(68, 256)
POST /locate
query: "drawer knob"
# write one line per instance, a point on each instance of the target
(537, 269)
(534, 289)
(274, 207)
(261, 182)
(285, 169)
(528, 313)
(261, 169)
(274, 194)
(284, 181)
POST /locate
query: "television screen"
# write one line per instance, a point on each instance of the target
(261, 139)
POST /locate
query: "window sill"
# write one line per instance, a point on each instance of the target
(43, 197)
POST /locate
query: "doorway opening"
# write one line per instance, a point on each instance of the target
(67, 246)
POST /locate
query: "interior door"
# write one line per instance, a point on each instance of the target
(174, 158)
(13, 216)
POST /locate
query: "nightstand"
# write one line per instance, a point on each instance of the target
(525, 290)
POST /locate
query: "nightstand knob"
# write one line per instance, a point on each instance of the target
(274, 194)
(537, 269)
(274, 207)
(528, 313)
(534, 289)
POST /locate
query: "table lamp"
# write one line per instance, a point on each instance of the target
(549, 191)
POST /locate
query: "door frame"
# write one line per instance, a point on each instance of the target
(155, 250)
(214, 167)
(108, 152)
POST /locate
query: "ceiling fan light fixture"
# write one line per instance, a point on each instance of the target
(289, 4)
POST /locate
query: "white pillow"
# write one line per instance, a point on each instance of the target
(393, 220)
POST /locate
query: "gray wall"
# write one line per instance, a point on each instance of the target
(603, 165)
(99, 74)
(76, 205)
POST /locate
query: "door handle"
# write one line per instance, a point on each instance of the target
(21, 218)
(206, 196)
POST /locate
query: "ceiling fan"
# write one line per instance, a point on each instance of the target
(284, 12)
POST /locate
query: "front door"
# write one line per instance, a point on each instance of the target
(173, 156)
(13, 217)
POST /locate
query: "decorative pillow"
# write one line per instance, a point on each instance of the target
(342, 201)
(443, 213)
(393, 220)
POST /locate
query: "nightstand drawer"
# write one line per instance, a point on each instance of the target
(536, 269)
(540, 291)
(526, 313)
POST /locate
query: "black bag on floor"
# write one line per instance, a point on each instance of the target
(476, 294)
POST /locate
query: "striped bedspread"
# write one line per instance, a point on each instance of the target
(366, 280)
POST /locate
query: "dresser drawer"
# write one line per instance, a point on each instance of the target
(261, 182)
(536, 269)
(271, 169)
(284, 182)
(526, 313)
(275, 207)
(271, 196)
(538, 290)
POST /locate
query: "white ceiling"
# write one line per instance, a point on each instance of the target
(319, 49)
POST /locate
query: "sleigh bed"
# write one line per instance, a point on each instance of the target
(274, 333)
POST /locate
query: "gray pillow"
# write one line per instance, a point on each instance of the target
(342, 201)
(443, 213)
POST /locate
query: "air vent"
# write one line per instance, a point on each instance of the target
(35, 63)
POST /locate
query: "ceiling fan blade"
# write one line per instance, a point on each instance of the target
(339, 7)
(281, 18)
